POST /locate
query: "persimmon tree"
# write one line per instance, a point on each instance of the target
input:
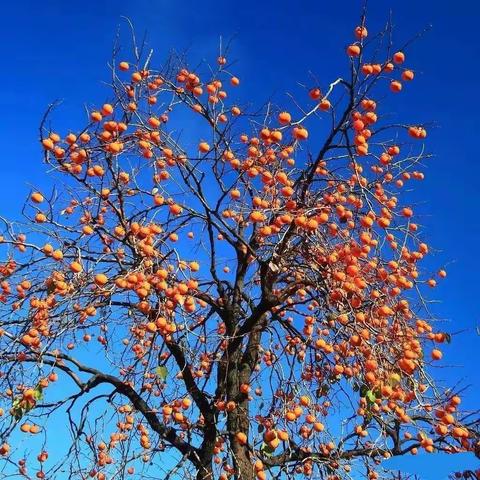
(223, 291)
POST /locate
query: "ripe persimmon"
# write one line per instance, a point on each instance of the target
(284, 118)
(353, 50)
(436, 354)
(361, 32)
(300, 133)
(48, 144)
(395, 86)
(101, 279)
(399, 57)
(203, 147)
(37, 197)
(324, 104)
(241, 438)
(76, 267)
(96, 116)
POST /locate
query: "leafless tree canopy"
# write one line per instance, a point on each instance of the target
(217, 291)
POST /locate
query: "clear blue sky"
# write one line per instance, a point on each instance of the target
(56, 49)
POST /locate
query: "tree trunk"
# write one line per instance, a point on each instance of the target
(238, 422)
(205, 472)
(238, 419)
